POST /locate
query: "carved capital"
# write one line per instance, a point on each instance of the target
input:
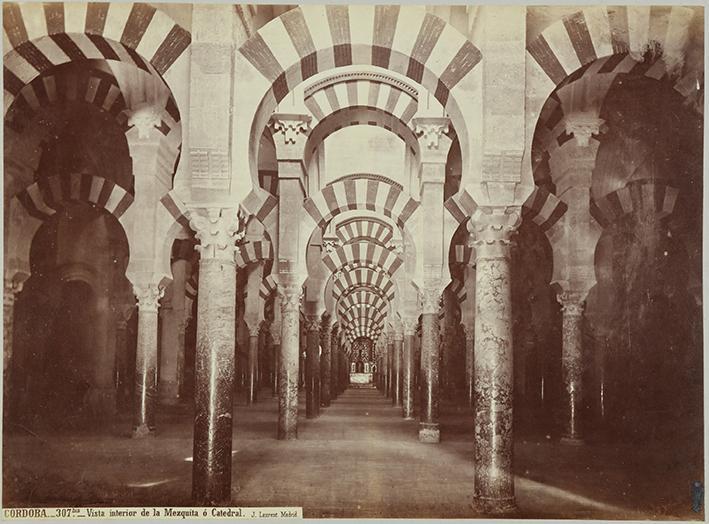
(312, 323)
(409, 324)
(144, 118)
(572, 303)
(275, 331)
(431, 131)
(148, 296)
(430, 297)
(254, 329)
(217, 230)
(582, 125)
(12, 289)
(290, 128)
(330, 244)
(289, 295)
(492, 229)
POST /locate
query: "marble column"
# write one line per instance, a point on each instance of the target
(275, 330)
(408, 371)
(397, 350)
(214, 358)
(344, 371)
(312, 367)
(494, 481)
(252, 366)
(335, 364)
(146, 358)
(390, 367)
(289, 362)
(429, 430)
(470, 366)
(122, 380)
(325, 362)
(572, 305)
(11, 290)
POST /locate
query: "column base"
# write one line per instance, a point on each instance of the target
(143, 431)
(572, 441)
(408, 417)
(429, 433)
(288, 435)
(490, 506)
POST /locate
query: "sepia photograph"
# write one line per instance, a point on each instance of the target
(353, 261)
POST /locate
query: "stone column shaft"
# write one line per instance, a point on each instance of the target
(325, 365)
(146, 359)
(572, 365)
(312, 369)
(252, 368)
(335, 371)
(470, 367)
(289, 362)
(214, 358)
(397, 386)
(494, 481)
(11, 290)
(408, 374)
(429, 430)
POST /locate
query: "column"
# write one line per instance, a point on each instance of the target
(572, 305)
(289, 296)
(325, 362)
(216, 230)
(344, 371)
(470, 365)
(397, 350)
(390, 366)
(252, 365)
(312, 367)
(429, 430)
(335, 360)
(408, 372)
(11, 290)
(494, 482)
(275, 330)
(122, 375)
(146, 358)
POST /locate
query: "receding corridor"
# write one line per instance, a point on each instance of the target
(360, 458)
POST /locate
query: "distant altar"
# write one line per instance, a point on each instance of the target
(360, 378)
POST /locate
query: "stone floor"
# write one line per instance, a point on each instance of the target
(358, 459)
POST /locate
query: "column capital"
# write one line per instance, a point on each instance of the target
(145, 119)
(11, 290)
(312, 323)
(254, 330)
(409, 324)
(469, 332)
(493, 228)
(217, 229)
(433, 139)
(583, 124)
(275, 330)
(430, 296)
(572, 302)
(290, 295)
(290, 133)
(148, 295)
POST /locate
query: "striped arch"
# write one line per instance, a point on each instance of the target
(253, 252)
(363, 254)
(94, 87)
(541, 207)
(365, 228)
(44, 197)
(594, 33)
(359, 116)
(355, 192)
(311, 39)
(41, 36)
(365, 278)
(642, 195)
(376, 90)
(457, 287)
(363, 299)
(551, 134)
(372, 318)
